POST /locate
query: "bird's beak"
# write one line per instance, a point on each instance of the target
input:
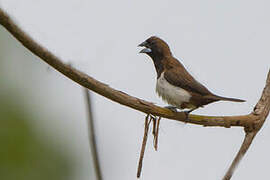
(143, 44)
(146, 49)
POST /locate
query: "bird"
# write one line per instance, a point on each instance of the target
(175, 84)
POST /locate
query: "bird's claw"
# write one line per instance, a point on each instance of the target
(188, 112)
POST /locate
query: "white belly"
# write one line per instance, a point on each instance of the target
(171, 94)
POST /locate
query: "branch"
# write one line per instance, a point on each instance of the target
(251, 122)
(92, 135)
(245, 145)
(113, 94)
(260, 114)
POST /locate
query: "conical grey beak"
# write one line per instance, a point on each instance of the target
(145, 50)
(143, 44)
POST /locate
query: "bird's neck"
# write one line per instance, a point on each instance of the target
(160, 60)
(159, 66)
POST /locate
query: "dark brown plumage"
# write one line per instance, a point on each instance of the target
(174, 84)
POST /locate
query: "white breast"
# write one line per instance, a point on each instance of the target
(171, 94)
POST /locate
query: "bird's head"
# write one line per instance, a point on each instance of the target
(155, 48)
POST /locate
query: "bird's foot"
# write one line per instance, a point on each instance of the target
(172, 108)
(188, 112)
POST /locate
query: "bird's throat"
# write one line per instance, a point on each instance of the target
(158, 66)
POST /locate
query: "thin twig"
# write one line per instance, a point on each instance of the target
(92, 135)
(154, 131)
(145, 135)
(154, 122)
(154, 127)
(156, 135)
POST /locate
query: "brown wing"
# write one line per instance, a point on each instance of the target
(177, 75)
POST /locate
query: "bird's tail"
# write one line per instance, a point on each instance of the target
(220, 98)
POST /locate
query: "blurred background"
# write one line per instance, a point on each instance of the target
(43, 131)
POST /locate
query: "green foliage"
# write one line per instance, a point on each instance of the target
(23, 154)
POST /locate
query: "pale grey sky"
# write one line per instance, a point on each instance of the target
(224, 44)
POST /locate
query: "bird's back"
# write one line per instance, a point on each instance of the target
(177, 75)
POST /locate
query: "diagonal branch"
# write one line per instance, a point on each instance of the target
(242, 151)
(113, 94)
